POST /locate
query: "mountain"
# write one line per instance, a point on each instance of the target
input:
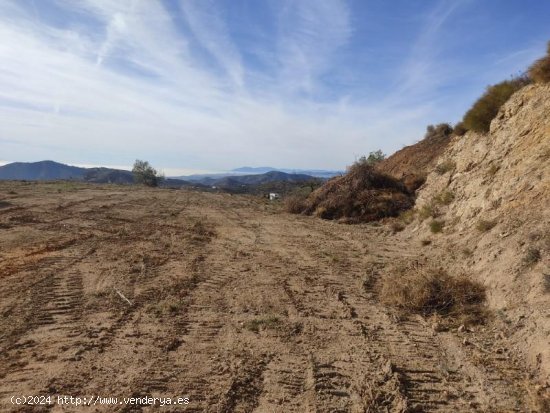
(319, 173)
(209, 179)
(40, 171)
(254, 170)
(50, 171)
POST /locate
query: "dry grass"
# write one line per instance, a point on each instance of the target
(445, 166)
(429, 290)
(484, 225)
(436, 226)
(294, 204)
(428, 211)
(258, 324)
(540, 70)
(532, 256)
(444, 197)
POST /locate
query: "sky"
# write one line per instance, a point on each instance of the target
(205, 85)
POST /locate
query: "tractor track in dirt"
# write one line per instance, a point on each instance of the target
(227, 301)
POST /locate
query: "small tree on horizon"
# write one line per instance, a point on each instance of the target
(145, 174)
(375, 157)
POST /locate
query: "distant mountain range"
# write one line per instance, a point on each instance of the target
(238, 182)
(248, 170)
(51, 171)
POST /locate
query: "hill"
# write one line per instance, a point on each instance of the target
(51, 171)
(489, 195)
(40, 171)
(413, 163)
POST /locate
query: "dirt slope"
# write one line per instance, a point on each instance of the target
(413, 163)
(497, 223)
(234, 304)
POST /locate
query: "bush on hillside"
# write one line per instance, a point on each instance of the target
(480, 115)
(362, 195)
(373, 158)
(295, 204)
(540, 70)
(440, 130)
(430, 290)
(460, 129)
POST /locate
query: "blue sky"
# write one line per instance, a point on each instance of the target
(214, 85)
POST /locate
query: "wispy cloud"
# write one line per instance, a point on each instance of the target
(104, 81)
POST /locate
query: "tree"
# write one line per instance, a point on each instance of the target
(375, 157)
(145, 174)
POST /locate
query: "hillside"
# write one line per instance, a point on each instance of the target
(491, 196)
(413, 163)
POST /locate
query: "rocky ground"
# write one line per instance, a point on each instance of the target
(228, 301)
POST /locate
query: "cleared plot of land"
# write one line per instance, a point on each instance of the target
(234, 304)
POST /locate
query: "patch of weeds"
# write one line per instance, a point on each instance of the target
(467, 252)
(201, 231)
(407, 216)
(428, 211)
(444, 197)
(429, 290)
(397, 226)
(436, 226)
(484, 225)
(445, 166)
(492, 170)
(531, 257)
(168, 307)
(264, 323)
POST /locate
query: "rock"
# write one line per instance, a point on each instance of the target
(461, 328)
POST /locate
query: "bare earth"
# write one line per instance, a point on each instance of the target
(234, 304)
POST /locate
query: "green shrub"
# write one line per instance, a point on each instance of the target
(480, 115)
(540, 70)
(436, 226)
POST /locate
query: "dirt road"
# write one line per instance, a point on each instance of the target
(115, 292)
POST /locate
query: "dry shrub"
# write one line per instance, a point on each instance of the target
(200, 231)
(362, 195)
(294, 204)
(445, 166)
(436, 226)
(429, 290)
(485, 109)
(460, 129)
(428, 211)
(484, 225)
(444, 197)
(540, 70)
